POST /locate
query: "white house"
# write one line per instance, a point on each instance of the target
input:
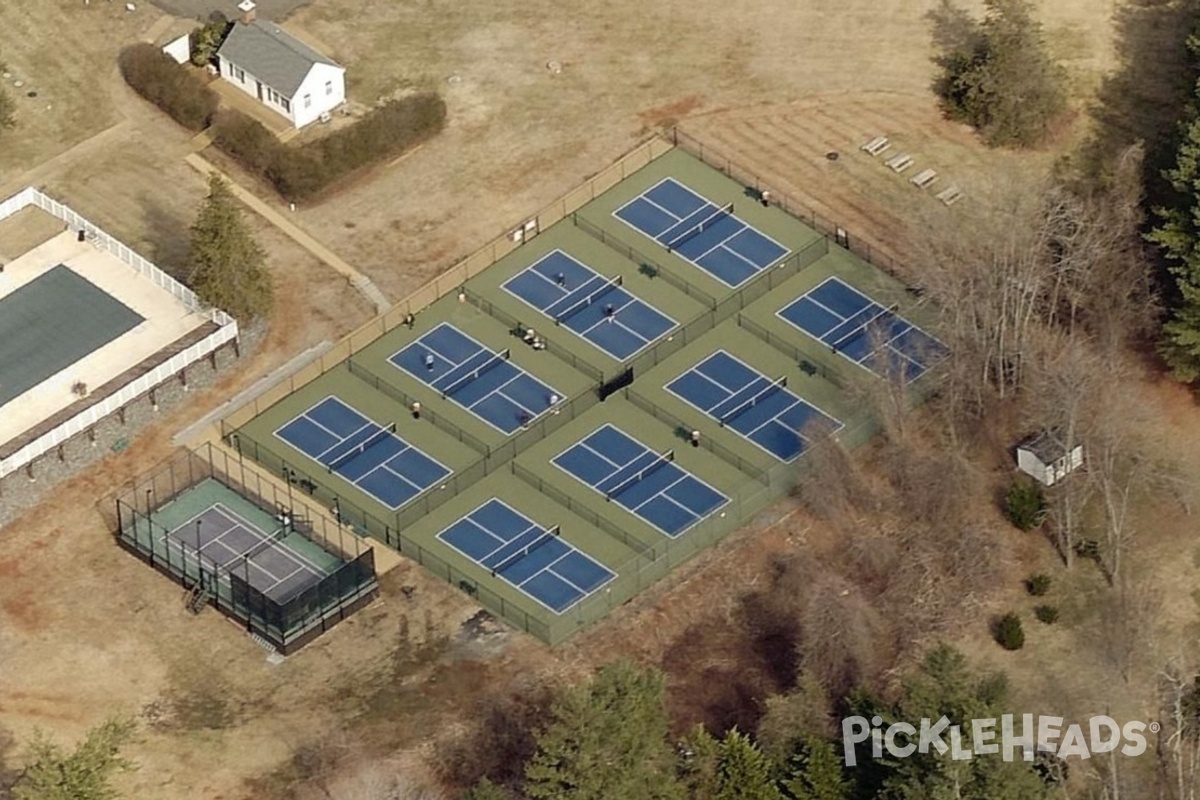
(1044, 456)
(283, 73)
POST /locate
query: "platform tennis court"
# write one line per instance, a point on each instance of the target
(224, 540)
(591, 305)
(705, 233)
(647, 483)
(476, 377)
(529, 556)
(763, 410)
(862, 330)
(363, 452)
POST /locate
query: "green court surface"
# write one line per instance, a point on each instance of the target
(182, 510)
(52, 322)
(530, 469)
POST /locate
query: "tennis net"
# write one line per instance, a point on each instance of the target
(751, 402)
(361, 448)
(266, 544)
(475, 373)
(526, 550)
(861, 329)
(704, 224)
(586, 301)
(664, 458)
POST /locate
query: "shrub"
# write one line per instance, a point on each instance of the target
(1025, 505)
(155, 76)
(1009, 633)
(1046, 614)
(300, 172)
(246, 140)
(1038, 585)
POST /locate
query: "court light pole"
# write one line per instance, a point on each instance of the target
(149, 496)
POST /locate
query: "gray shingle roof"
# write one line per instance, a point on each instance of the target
(1047, 445)
(273, 56)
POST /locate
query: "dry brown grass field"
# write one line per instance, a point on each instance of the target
(86, 630)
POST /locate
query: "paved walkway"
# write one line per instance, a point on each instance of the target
(359, 281)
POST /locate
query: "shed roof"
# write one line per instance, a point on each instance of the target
(272, 55)
(1047, 445)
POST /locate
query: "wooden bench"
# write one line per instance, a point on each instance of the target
(877, 145)
(900, 162)
(950, 195)
(924, 178)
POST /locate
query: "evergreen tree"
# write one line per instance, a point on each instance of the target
(83, 774)
(816, 772)
(945, 686)
(743, 772)
(1179, 236)
(1000, 79)
(486, 790)
(699, 759)
(606, 739)
(226, 265)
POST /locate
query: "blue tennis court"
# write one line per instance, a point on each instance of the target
(593, 306)
(530, 557)
(363, 452)
(863, 331)
(481, 380)
(649, 484)
(740, 397)
(702, 232)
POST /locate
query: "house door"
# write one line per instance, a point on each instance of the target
(259, 90)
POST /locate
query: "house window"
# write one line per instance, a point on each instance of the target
(328, 88)
(307, 100)
(240, 74)
(283, 102)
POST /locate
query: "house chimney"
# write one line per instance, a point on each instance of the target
(248, 9)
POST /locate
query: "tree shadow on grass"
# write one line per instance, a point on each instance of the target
(721, 673)
(168, 238)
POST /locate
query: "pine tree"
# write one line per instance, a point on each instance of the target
(606, 739)
(226, 265)
(699, 759)
(80, 775)
(817, 773)
(1000, 79)
(946, 686)
(486, 790)
(743, 772)
(1179, 236)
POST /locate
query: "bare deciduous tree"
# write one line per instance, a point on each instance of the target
(1179, 742)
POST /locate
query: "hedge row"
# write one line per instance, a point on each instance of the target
(300, 172)
(155, 76)
(295, 172)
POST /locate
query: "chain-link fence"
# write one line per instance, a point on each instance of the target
(826, 227)
(288, 623)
